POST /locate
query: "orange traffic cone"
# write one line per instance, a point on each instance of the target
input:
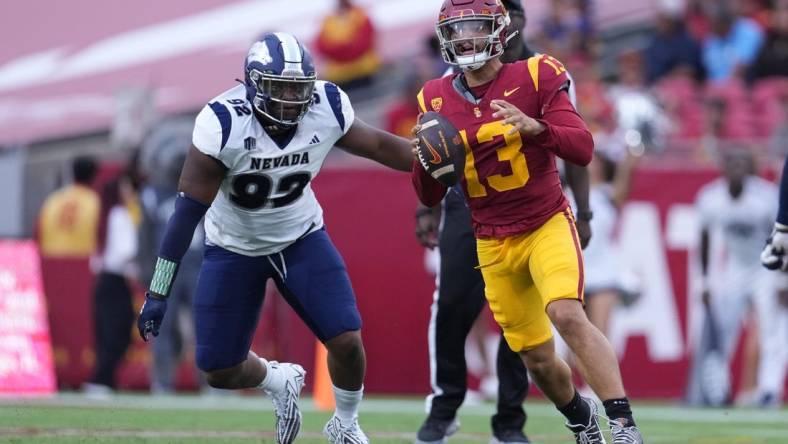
(322, 391)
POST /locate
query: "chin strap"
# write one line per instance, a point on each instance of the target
(511, 36)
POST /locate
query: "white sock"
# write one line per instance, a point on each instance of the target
(347, 403)
(274, 380)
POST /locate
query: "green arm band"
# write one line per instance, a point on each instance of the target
(163, 275)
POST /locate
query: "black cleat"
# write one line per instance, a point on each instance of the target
(435, 431)
(510, 436)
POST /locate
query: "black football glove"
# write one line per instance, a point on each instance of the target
(151, 315)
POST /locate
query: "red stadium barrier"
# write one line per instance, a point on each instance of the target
(369, 214)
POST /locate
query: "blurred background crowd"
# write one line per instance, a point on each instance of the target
(674, 91)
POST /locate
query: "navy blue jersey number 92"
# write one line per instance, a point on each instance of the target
(253, 191)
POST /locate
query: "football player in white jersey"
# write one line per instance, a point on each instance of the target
(256, 149)
(738, 210)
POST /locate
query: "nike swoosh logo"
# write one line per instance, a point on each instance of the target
(509, 93)
(436, 158)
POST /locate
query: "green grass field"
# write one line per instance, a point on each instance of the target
(232, 419)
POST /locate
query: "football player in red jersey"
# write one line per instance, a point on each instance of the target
(515, 118)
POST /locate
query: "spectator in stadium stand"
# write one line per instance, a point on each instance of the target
(697, 21)
(164, 152)
(347, 42)
(566, 30)
(773, 59)
(756, 10)
(113, 311)
(778, 141)
(732, 45)
(671, 48)
(713, 128)
(68, 221)
(634, 105)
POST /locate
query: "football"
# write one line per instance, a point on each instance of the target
(441, 150)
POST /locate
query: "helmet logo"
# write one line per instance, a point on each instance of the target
(279, 83)
(259, 52)
(436, 103)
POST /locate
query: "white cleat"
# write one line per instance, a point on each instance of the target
(288, 416)
(625, 434)
(339, 433)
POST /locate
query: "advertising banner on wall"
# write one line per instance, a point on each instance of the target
(26, 366)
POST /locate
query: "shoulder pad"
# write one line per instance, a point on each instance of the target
(428, 96)
(547, 73)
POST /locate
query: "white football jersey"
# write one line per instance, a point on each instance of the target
(743, 224)
(266, 202)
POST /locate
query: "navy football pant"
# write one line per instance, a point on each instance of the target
(311, 276)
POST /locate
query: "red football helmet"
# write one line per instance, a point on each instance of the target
(472, 31)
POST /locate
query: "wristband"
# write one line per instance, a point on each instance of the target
(585, 215)
(163, 275)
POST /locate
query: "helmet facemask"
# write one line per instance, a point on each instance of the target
(283, 99)
(470, 41)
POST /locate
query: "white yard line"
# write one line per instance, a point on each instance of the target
(24, 432)
(181, 434)
(535, 409)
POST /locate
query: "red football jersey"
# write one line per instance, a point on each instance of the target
(511, 182)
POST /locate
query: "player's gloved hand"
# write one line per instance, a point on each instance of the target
(773, 254)
(151, 315)
(427, 227)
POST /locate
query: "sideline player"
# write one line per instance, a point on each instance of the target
(256, 148)
(459, 297)
(737, 211)
(528, 248)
